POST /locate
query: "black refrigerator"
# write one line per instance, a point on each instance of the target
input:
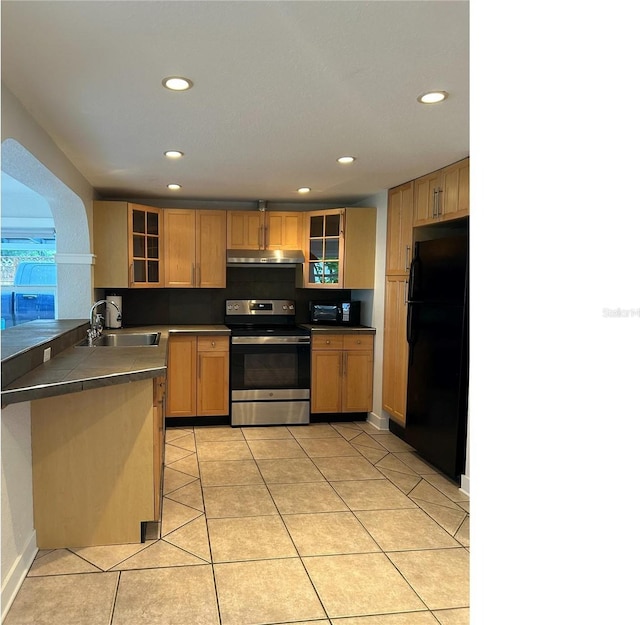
(438, 336)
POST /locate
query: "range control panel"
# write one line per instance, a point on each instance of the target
(260, 307)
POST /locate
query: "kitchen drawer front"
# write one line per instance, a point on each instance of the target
(213, 343)
(327, 341)
(358, 341)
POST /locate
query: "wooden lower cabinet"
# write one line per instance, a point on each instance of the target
(341, 373)
(198, 376)
(94, 455)
(159, 385)
(396, 349)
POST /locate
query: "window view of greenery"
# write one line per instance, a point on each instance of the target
(28, 277)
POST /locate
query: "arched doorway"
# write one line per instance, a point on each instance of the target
(73, 255)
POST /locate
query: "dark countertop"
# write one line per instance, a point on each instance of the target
(328, 329)
(73, 369)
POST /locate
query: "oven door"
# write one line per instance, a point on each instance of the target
(270, 380)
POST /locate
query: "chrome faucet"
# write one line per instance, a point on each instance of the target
(95, 320)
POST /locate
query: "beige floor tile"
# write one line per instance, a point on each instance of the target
(249, 538)
(188, 465)
(391, 442)
(360, 584)
(405, 482)
(306, 497)
(237, 501)
(459, 616)
(266, 432)
(175, 515)
(372, 495)
(415, 462)
(372, 455)
(447, 487)
(167, 597)
(282, 448)
(187, 442)
(399, 530)
(223, 450)
(172, 480)
(192, 537)
(229, 472)
(289, 470)
(462, 535)
(426, 492)
(217, 433)
(392, 462)
(314, 430)
(369, 428)
(407, 618)
(264, 592)
(439, 576)
(366, 441)
(173, 453)
(85, 599)
(465, 505)
(328, 533)
(160, 554)
(42, 552)
(172, 434)
(60, 562)
(189, 495)
(348, 431)
(448, 518)
(108, 556)
(327, 447)
(347, 468)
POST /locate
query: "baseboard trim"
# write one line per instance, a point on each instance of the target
(465, 485)
(382, 423)
(11, 584)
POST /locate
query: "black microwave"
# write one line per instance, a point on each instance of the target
(335, 313)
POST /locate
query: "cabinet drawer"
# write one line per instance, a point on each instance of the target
(213, 343)
(327, 341)
(358, 341)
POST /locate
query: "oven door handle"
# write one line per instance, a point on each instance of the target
(270, 340)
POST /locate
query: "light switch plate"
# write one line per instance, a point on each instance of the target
(47, 354)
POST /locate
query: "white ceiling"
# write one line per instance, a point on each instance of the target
(281, 89)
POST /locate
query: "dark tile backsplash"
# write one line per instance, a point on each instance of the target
(206, 306)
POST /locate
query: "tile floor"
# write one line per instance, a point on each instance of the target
(327, 524)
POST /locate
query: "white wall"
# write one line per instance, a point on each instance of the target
(31, 157)
(373, 303)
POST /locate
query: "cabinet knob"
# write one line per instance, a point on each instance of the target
(358, 342)
(328, 342)
(213, 343)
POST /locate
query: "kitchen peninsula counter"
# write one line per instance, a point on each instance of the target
(75, 369)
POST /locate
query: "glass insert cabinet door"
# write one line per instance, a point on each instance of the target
(145, 257)
(325, 256)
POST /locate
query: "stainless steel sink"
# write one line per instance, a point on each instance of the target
(138, 339)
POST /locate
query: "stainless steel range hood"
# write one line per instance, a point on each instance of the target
(264, 258)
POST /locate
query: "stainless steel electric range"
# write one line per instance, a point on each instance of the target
(270, 363)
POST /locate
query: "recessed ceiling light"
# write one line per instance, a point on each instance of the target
(304, 190)
(345, 160)
(177, 83)
(174, 187)
(173, 154)
(432, 97)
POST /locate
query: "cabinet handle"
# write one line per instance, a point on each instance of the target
(264, 237)
(131, 274)
(439, 203)
(406, 292)
(193, 274)
(434, 210)
(199, 275)
(407, 261)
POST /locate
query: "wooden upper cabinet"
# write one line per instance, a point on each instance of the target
(442, 195)
(340, 248)
(195, 248)
(283, 230)
(399, 229)
(264, 230)
(128, 245)
(244, 230)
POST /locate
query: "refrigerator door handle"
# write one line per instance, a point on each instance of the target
(412, 329)
(414, 279)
